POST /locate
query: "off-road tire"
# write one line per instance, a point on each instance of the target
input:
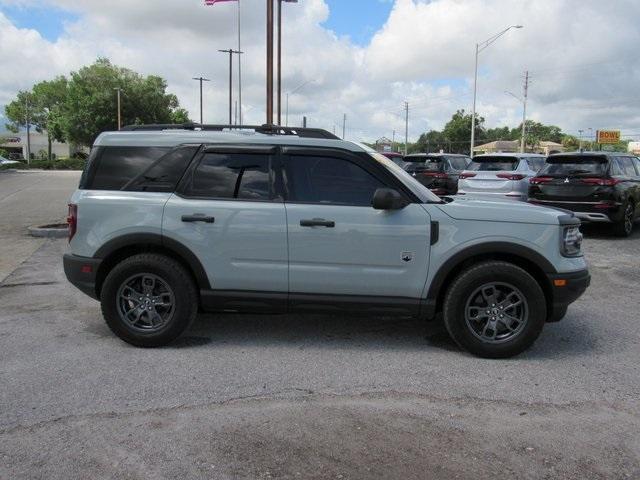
(463, 287)
(184, 291)
(623, 228)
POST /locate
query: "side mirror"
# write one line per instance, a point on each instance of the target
(387, 199)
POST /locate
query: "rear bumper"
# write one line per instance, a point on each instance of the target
(566, 288)
(514, 194)
(82, 272)
(586, 211)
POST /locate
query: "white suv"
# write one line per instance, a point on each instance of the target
(168, 220)
(503, 175)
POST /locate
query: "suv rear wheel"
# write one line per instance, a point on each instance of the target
(148, 300)
(624, 227)
(494, 310)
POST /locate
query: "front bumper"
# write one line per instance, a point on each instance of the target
(566, 288)
(82, 272)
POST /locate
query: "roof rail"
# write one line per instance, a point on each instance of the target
(264, 129)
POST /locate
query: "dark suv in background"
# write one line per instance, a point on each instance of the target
(597, 186)
(439, 172)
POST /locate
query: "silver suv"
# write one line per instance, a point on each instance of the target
(503, 175)
(169, 220)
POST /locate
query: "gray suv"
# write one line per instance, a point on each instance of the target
(172, 219)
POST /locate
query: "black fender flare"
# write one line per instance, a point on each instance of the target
(177, 248)
(482, 249)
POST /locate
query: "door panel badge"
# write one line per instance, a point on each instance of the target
(406, 257)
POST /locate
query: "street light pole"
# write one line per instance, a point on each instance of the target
(27, 122)
(286, 116)
(479, 48)
(231, 52)
(201, 79)
(119, 90)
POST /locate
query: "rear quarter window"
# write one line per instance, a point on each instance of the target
(154, 169)
(458, 163)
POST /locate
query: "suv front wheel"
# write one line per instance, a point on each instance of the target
(494, 310)
(148, 300)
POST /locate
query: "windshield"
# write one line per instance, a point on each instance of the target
(422, 192)
(493, 164)
(574, 166)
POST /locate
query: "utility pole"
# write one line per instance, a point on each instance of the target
(201, 79)
(406, 127)
(239, 71)
(269, 62)
(524, 111)
(27, 122)
(231, 52)
(279, 87)
(393, 141)
(344, 125)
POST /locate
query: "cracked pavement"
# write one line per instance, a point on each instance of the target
(260, 396)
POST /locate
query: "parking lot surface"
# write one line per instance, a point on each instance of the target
(248, 396)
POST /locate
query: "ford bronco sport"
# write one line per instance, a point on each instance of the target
(172, 219)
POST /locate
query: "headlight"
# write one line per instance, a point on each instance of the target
(571, 241)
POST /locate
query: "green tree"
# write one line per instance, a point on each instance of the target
(458, 131)
(91, 105)
(44, 103)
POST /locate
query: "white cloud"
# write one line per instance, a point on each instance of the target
(580, 55)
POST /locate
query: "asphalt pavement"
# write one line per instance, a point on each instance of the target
(260, 396)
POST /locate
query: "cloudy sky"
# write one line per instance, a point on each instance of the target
(364, 58)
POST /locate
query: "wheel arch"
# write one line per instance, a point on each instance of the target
(119, 248)
(529, 260)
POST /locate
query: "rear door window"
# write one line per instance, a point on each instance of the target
(493, 164)
(575, 166)
(231, 176)
(636, 163)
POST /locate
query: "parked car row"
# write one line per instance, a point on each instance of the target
(597, 186)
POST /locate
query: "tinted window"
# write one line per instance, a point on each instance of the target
(223, 175)
(535, 164)
(623, 166)
(114, 167)
(329, 180)
(493, 164)
(636, 162)
(458, 163)
(575, 165)
(164, 174)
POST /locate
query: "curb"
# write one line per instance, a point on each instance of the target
(56, 230)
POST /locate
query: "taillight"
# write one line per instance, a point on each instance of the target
(511, 176)
(605, 205)
(72, 219)
(467, 175)
(539, 180)
(603, 182)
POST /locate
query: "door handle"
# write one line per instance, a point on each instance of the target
(317, 222)
(198, 217)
